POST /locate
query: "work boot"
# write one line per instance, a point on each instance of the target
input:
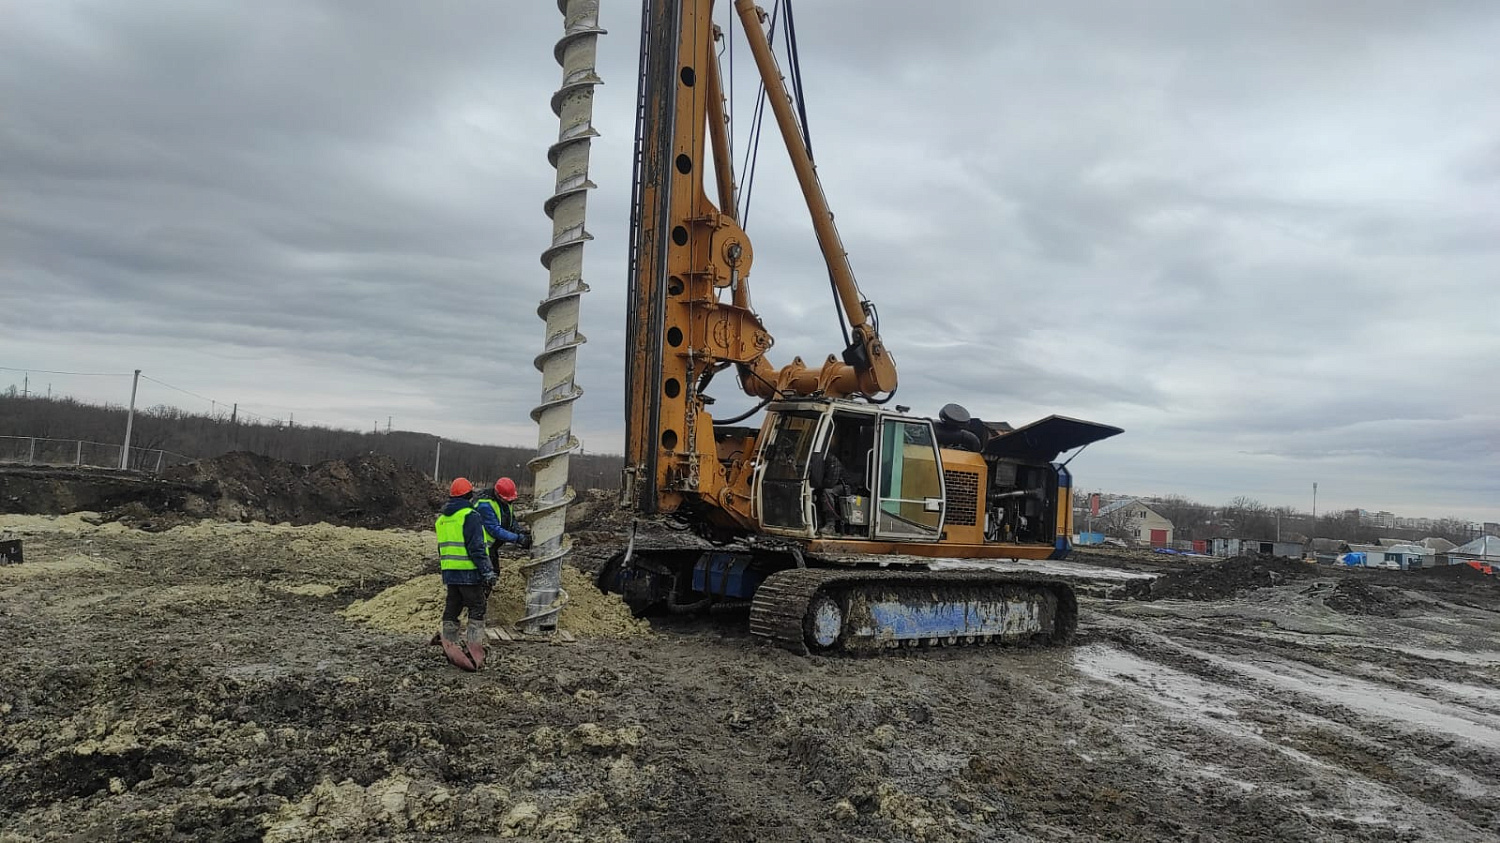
(453, 647)
(476, 643)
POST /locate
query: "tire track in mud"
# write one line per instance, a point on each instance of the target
(1430, 780)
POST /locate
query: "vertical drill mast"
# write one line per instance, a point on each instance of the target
(685, 251)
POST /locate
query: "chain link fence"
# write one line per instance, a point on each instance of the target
(39, 450)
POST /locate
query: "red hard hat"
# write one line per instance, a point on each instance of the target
(505, 489)
(461, 486)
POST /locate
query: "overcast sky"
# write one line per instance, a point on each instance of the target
(1261, 237)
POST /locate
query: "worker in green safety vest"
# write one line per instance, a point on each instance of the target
(467, 574)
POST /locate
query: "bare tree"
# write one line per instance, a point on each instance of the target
(1190, 519)
(1248, 518)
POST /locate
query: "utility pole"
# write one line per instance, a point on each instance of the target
(26, 385)
(234, 414)
(129, 422)
(387, 424)
(437, 461)
(1315, 503)
(291, 419)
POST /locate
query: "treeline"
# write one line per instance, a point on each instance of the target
(202, 436)
(1247, 518)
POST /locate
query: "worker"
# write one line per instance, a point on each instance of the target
(831, 487)
(500, 520)
(467, 573)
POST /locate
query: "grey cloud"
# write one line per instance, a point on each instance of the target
(1258, 236)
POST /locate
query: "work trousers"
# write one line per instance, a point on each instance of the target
(461, 597)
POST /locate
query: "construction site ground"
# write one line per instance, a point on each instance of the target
(221, 681)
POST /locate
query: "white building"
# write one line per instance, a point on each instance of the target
(1134, 519)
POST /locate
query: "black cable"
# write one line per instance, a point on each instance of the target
(729, 129)
(81, 374)
(745, 415)
(752, 152)
(183, 391)
(795, 62)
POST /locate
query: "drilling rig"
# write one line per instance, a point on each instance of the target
(844, 521)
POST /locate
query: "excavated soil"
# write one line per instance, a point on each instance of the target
(1217, 579)
(210, 682)
(1357, 597)
(371, 490)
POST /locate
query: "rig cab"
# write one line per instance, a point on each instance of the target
(853, 477)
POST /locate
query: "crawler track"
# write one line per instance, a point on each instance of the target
(787, 608)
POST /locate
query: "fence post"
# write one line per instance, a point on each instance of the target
(31, 457)
(78, 457)
(159, 455)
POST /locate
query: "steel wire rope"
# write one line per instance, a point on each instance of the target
(752, 146)
(55, 372)
(794, 63)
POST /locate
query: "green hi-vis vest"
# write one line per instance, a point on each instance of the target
(503, 515)
(453, 553)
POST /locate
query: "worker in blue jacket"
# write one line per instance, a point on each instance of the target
(467, 574)
(500, 520)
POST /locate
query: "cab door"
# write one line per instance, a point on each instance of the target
(910, 500)
(783, 496)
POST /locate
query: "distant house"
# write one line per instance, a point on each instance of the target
(1136, 520)
(1437, 545)
(1327, 551)
(1398, 556)
(1482, 549)
(1224, 546)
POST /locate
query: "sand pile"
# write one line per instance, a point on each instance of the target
(417, 606)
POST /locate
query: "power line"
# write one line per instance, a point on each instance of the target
(183, 391)
(244, 410)
(83, 374)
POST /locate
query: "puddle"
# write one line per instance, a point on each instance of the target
(1484, 699)
(1369, 698)
(1074, 570)
(1482, 658)
(1207, 704)
(1166, 686)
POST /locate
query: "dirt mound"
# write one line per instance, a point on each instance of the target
(1455, 573)
(370, 490)
(1357, 597)
(50, 490)
(1226, 578)
(417, 606)
(598, 510)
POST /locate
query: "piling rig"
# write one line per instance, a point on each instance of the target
(843, 521)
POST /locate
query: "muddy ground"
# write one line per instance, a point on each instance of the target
(204, 683)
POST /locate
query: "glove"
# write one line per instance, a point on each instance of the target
(523, 541)
(490, 579)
